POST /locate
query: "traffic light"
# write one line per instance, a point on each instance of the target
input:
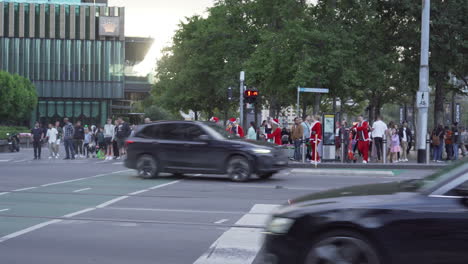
(250, 95)
(230, 93)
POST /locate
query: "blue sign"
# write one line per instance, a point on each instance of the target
(313, 90)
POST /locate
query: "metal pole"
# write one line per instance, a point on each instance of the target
(428, 147)
(241, 98)
(342, 147)
(297, 107)
(303, 148)
(423, 81)
(384, 151)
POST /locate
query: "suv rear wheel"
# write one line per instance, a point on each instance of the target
(147, 167)
(238, 169)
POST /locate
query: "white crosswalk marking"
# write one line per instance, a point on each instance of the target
(240, 245)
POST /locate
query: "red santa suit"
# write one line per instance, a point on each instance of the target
(275, 135)
(234, 128)
(315, 139)
(363, 139)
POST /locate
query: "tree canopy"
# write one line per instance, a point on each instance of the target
(365, 51)
(18, 98)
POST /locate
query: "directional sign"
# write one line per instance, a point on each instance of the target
(422, 99)
(312, 90)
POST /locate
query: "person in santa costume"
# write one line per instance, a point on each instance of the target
(235, 128)
(276, 132)
(363, 139)
(214, 119)
(315, 138)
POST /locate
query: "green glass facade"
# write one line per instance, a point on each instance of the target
(76, 72)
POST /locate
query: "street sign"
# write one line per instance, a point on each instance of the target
(422, 100)
(457, 113)
(313, 90)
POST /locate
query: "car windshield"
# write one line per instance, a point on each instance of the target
(436, 180)
(218, 132)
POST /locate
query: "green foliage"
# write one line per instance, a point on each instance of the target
(156, 113)
(18, 98)
(12, 129)
(365, 52)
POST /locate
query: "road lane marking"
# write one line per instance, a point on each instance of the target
(3, 210)
(175, 210)
(18, 161)
(99, 162)
(276, 187)
(221, 221)
(80, 179)
(112, 201)
(3, 193)
(24, 189)
(239, 245)
(4, 160)
(117, 163)
(102, 205)
(164, 185)
(29, 229)
(82, 190)
(138, 192)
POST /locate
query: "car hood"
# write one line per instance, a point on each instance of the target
(370, 195)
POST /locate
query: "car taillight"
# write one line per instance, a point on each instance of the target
(128, 142)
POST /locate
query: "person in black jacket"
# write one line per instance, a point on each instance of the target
(123, 132)
(78, 138)
(37, 134)
(405, 138)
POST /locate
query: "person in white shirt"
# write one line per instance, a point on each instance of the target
(405, 138)
(378, 132)
(109, 131)
(52, 140)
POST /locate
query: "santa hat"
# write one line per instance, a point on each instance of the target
(214, 119)
(275, 121)
(233, 120)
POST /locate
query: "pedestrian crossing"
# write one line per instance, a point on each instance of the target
(240, 244)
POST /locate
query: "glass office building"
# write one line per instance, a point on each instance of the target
(73, 52)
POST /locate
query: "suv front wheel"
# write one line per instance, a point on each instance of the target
(238, 169)
(147, 167)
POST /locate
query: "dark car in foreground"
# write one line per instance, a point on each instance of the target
(197, 147)
(407, 222)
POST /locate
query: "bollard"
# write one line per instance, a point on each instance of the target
(303, 149)
(428, 149)
(384, 151)
(342, 148)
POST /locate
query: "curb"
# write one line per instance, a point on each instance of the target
(394, 166)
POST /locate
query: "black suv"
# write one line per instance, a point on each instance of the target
(200, 147)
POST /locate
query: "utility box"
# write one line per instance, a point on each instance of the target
(328, 137)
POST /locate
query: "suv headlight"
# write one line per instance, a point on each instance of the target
(280, 225)
(261, 151)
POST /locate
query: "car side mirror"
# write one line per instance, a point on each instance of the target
(204, 138)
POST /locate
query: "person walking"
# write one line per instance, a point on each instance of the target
(252, 133)
(87, 140)
(123, 132)
(297, 132)
(68, 132)
(456, 140)
(109, 131)
(362, 129)
(405, 136)
(78, 138)
(395, 146)
(448, 142)
(37, 134)
(378, 132)
(306, 134)
(59, 139)
(52, 141)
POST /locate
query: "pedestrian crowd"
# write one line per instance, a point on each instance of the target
(453, 139)
(107, 142)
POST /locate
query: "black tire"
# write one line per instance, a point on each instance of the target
(266, 175)
(342, 247)
(238, 169)
(147, 167)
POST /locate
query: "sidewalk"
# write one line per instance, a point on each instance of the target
(411, 164)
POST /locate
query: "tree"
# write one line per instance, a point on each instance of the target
(18, 98)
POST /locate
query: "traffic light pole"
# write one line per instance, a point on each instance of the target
(423, 83)
(241, 98)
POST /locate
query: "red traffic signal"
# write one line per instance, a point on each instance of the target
(250, 95)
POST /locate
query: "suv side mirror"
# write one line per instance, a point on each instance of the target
(204, 138)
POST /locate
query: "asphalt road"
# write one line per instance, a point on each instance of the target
(93, 211)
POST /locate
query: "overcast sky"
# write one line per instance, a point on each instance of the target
(158, 19)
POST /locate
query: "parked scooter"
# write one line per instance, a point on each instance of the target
(13, 142)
